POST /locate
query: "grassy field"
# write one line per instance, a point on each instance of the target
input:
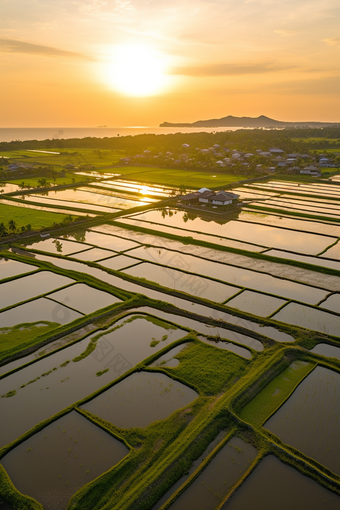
(275, 393)
(21, 334)
(177, 176)
(23, 217)
(76, 157)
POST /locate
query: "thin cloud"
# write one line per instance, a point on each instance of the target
(335, 41)
(15, 46)
(228, 70)
(284, 32)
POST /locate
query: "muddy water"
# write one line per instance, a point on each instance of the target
(332, 303)
(214, 483)
(327, 350)
(309, 420)
(169, 359)
(277, 485)
(53, 464)
(55, 382)
(141, 399)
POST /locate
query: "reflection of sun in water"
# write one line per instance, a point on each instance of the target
(144, 190)
(137, 70)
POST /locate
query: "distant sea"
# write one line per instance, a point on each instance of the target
(11, 134)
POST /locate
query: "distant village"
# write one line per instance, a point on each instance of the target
(274, 160)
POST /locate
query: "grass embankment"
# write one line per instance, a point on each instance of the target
(275, 393)
(37, 219)
(178, 177)
(19, 335)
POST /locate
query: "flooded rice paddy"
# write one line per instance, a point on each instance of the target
(310, 318)
(255, 303)
(226, 346)
(259, 234)
(309, 419)
(27, 287)
(140, 399)
(41, 309)
(54, 463)
(57, 381)
(213, 484)
(10, 268)
(83, 298)
(274, 484)
(331, 351)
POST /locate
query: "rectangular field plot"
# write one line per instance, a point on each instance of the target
(54, 463)
(208, 238)
(10, 268)
(317, 261)
(332, 303)
(140, 399)
(231, 275)
(73, 206)
(275, 220)
(255, 303)
(191, 284)
(83, 298)
(274, 484)
(333, 252)
(119, 262)
(57, 381)
(108, 199)
(77, 197)
(309, 419)
(310, 318)
(263, 235)
(41, 309)
(213, 484)
(331, 351)
(27, 287)
(291, 205)
(275, 393)
(55, 245)
(93, 254)
(109, 242)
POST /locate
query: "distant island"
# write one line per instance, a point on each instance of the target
(247, 122)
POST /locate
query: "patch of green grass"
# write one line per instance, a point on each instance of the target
(154, 343)
(21, 334)
(98, 374)
(275, 393)
(23, 216)
(207, 368)
(9, 394)
(178, 177)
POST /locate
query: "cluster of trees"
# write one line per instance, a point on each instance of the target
(290, 140)
(12, 228)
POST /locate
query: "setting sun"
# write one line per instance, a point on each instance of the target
(137, 70)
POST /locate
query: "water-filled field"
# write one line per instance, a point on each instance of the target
(54, 463)
(140, 399)
(274, 484)
(309, 419)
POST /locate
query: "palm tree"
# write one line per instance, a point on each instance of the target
(12, 226)
(3, 230)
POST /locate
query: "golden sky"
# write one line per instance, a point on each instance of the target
(137, 62)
